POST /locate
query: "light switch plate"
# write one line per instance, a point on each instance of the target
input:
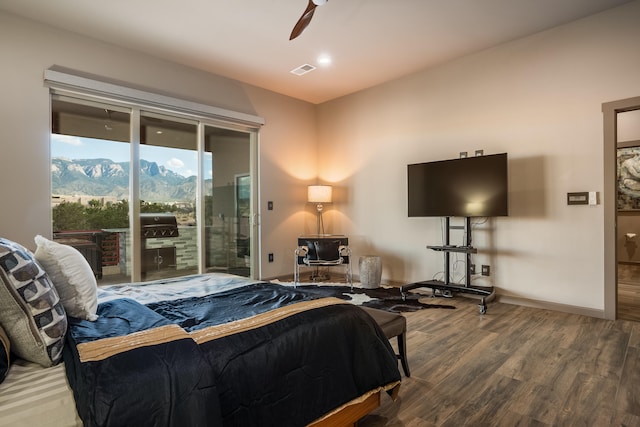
(593, 198)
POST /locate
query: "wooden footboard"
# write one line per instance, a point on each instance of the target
(349, 415)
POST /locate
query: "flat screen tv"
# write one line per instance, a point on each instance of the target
(466, 187)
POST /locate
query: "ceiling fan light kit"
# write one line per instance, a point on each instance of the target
(305, 19)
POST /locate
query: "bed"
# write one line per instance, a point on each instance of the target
(213, 349)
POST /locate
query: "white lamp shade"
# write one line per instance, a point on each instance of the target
(319, 193)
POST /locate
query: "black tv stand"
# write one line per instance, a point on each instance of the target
(487, 293)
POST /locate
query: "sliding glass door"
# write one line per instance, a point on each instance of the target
(228, 200)
(168, 165)
(147, 194)
(90, 158)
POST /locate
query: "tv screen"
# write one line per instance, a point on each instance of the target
(466, 187)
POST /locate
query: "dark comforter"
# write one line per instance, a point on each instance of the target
(262, 355)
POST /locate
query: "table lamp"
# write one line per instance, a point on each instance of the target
(319, 194)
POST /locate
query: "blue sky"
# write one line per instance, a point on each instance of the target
(183, 162)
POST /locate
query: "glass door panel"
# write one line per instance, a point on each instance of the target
(90, 183)
(228, 195)
(168, 190)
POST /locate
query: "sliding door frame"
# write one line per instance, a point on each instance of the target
(80, 87)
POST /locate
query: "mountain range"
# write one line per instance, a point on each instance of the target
(104, 177)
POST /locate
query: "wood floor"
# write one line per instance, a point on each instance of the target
(515, 366)
(629, 292)
(629, 301)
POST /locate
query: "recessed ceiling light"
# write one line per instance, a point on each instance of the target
(324, 60)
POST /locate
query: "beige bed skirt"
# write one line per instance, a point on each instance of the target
(34, 396)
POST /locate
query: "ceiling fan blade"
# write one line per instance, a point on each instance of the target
(304, 20)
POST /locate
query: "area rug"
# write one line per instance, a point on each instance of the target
(383, 298)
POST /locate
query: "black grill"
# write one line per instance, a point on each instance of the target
(157, 225)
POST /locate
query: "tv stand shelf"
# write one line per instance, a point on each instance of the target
(487, 293)
(453, 248)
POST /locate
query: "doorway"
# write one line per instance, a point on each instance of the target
(622, 209)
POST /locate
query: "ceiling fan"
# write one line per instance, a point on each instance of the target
(306, 17)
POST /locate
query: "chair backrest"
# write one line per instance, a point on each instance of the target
(323, 248)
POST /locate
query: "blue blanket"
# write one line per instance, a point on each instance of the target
(262, 354)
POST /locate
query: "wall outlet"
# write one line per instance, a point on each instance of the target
(486, 270)
(472, 269)
(270, 257)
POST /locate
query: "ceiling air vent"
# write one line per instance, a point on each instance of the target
(303, 69)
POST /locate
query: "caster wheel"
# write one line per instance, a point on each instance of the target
(404, 296)
(483, 309)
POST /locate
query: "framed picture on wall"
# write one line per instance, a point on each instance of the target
(628, 160)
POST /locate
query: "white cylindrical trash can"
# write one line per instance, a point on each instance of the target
(370, 267)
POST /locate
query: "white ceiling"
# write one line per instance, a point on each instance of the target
(370, 41)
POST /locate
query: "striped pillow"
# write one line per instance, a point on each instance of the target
(30, 310)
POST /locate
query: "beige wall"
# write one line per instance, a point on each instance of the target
(539, 99)
(28, 48)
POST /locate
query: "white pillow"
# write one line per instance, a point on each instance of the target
(72, 277)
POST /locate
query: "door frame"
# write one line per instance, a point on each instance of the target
(610, 111)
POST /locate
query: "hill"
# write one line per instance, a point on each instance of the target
(104, 177)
